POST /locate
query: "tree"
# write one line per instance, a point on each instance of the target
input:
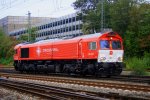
(31, 35)
(119, 13)
(85, 5)
(23, 37)
(138, 30)
(6, 48)
(91, 12)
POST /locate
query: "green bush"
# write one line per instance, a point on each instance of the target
(147, 60)
(6, 48)
(8, 61)
(139, 66)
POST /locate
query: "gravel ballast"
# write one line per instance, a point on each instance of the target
(7, 94)
(89, 88)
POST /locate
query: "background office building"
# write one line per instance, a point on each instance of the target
(65, 26)
(16, 23)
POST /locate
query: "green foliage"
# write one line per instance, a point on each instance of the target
(23, 38)
(6, 48)
(85, 5)
(131, 44)
(91, 13)
(92, 23)
(139, 66)
(147, 60)
(119, 13)
(33, 33)
(30, 36)
(6, 61)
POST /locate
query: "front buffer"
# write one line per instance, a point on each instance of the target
(110, 69)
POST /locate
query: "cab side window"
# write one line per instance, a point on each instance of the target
(92, 45)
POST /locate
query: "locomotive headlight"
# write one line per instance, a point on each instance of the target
(102, 58)
(120, 58)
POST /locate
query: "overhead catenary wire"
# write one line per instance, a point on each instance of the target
(51, 11)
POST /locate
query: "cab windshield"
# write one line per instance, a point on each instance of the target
(104, 44)
(116, 44)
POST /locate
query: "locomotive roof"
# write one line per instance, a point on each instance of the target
(89, 36)
(58, 40)
(75, 38)
(49, 40)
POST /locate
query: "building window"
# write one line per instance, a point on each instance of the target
(77, 27)
(53, 31)
(66, 21)
(42, 27)
(73, 19)
(58, 22)
(46, 26)
(61, 30)
(66, 29)
(49, 25)
(73, 28)
(81, 33)
(70, 28)
(69, 20)
(39, 27)
(46, 33)
(53, 23)
(61, 22)
(58, 30)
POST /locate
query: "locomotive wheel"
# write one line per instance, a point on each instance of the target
(31, 68)
(66, 69)
(16, 66)
(108, 76)
(91, 69)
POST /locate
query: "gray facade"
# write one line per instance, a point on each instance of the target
(14, 23)
(69, 25)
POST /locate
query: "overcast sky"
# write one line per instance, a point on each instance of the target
(38, 8)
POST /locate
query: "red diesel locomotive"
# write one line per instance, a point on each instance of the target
(94, 54)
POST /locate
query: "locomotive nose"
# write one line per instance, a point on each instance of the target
(111, 53)
(110, 56)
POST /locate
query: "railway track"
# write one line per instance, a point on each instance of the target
(49, 92)
(122, 78)
(84, 82)
(57, 93)
(131, 78)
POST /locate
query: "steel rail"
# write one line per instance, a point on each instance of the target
(49, 92)
(123, 86)
(122, 78)
(56, 93)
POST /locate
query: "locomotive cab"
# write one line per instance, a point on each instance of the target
(110, 54)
